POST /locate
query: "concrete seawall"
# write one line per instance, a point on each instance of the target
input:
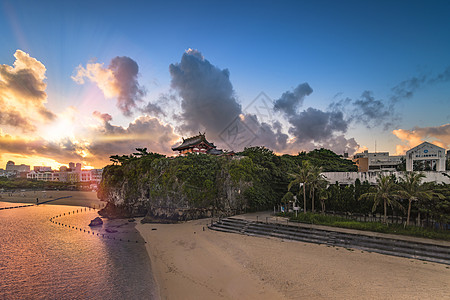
(371, 177)
(409, 247)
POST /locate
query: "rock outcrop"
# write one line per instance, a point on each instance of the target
(96, 222)
(170, 190)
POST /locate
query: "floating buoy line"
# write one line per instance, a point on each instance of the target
(11, 207)
(57, 218)
(28, 205)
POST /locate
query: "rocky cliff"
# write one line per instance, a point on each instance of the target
(175, 189)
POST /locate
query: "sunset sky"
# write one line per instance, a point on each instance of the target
(83, 80)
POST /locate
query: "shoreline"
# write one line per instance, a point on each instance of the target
(189, 263)
(77, 198)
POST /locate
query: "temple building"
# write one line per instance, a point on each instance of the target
(197, 144)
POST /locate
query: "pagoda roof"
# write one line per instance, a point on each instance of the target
(193, 141)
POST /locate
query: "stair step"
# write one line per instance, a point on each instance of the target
(409, 249)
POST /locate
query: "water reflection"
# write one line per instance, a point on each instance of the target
(40, 259)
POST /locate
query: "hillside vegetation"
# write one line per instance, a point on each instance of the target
(193, 186)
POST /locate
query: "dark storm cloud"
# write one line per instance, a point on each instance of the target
(153, 109)
(371, 112)
(207, 97)
(316, 125)
(407, 88)
(208, 103)
(291, 101)
(441, 77)
(125, 72)
(119, 79)
(312, 128)
(265, 134)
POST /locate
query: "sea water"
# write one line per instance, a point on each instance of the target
(50, 252)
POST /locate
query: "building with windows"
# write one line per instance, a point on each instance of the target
(42, 169)
(377, 161)
(13, 170)
(43, 175)
(72, 174)
(426, 156)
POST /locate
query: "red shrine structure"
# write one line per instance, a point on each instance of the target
(197, 144)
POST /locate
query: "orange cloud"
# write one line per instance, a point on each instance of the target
(22, 93)
(438, 135)
(143, 132)
(97, 73)
(100, 143)
(117, 80)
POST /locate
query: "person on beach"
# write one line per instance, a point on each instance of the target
(37, 201)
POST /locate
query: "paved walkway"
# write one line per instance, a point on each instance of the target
(268, 216)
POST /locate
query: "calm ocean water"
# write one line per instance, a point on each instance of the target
(43, 260)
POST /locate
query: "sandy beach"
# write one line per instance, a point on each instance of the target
(190, 263)
(77, 198)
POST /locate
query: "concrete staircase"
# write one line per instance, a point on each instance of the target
(432, 252)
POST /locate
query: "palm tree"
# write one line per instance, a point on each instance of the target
(413, 190)
(315, 182)
(301, 178)
(324, 194)
(386, 191)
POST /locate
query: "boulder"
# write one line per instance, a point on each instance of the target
(96, 222)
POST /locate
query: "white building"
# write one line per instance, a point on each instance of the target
(43, 176)
(42, 168)
(68, 175)
(347, 178)
(428, 154)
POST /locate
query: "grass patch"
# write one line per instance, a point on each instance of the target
(399, 229)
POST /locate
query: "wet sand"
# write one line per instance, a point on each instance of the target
(190, 263)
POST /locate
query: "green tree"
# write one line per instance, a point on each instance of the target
(324, 195)
(315, 182)
(412, 189)
(386, 192)
(301, 178)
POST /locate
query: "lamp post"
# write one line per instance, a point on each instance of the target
(295, 205)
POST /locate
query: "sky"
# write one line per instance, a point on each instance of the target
(81, 81)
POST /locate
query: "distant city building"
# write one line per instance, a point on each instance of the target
(42, 175)
(73, 174)
(378, 161)
(12, 167)
(42, 169)
(430, 156)
(13, 170)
